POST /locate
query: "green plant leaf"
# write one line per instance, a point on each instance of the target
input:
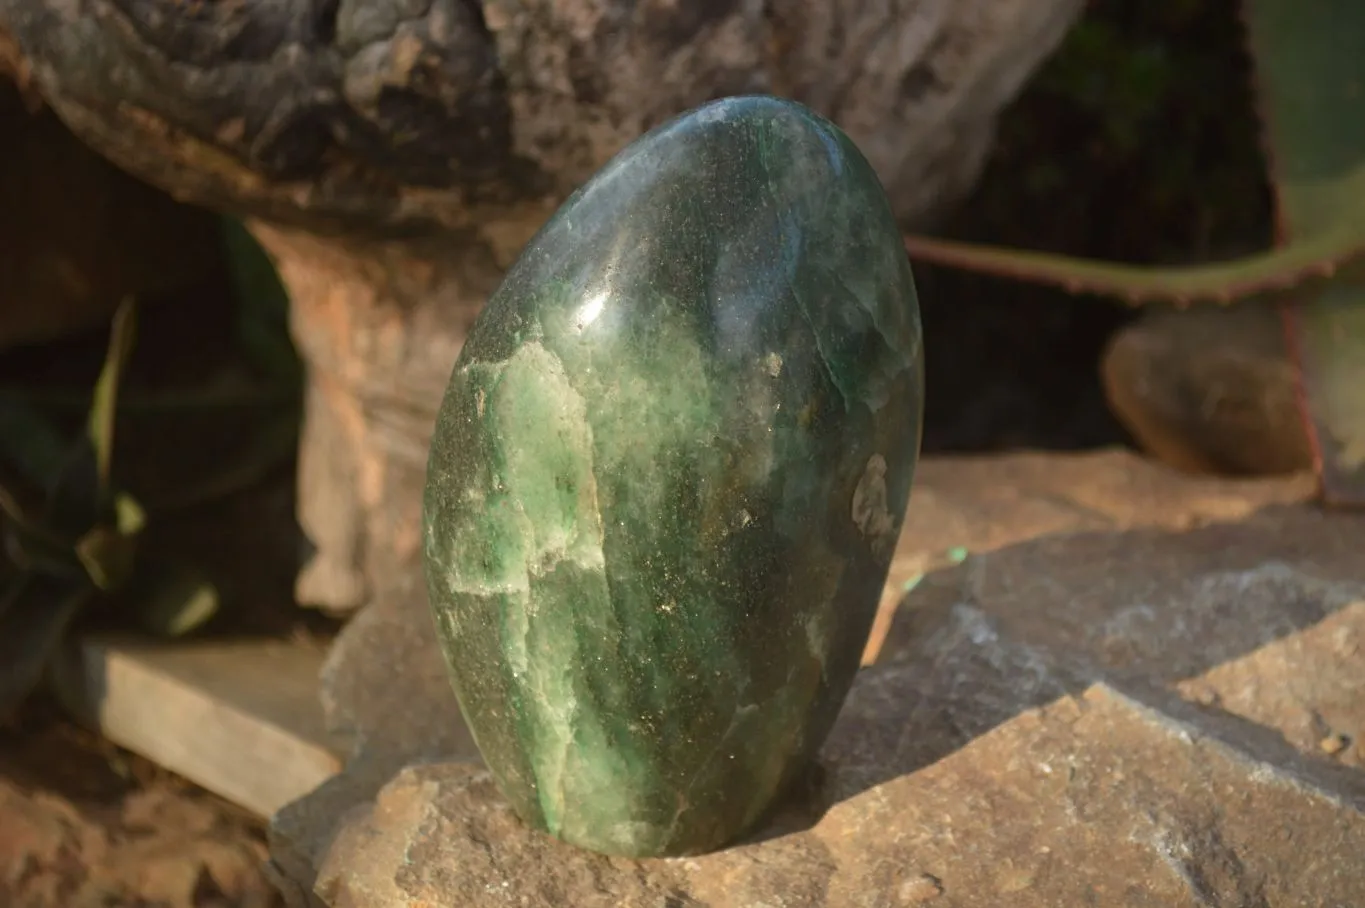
(173, 599)
(1331, 242)
(29, 442)
(73, 500)
(268, 445)
(1273, 273)
(1310, 80)
(107, 552)
(104, 401)
(262, 307)
(32, 547)
(35, 612)
(263, 433)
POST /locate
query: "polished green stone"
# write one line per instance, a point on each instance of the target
(668, 476)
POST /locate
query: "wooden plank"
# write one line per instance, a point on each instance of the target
(242, 719)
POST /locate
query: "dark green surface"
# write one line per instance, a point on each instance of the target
(668, 476)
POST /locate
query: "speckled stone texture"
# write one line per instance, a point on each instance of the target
(1131, 687)
(669, 475)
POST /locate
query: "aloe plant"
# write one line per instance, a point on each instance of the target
(79, 542)
(71, 531)
(1310, 89)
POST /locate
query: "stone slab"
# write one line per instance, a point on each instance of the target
(1070, 647)
(976, 505)
(241, 718)
(1098, 798)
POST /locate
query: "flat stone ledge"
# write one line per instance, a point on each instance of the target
(1122, 703)
(1099, 798)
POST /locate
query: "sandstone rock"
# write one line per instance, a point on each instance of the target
(975, 505)
(1162, 606)
(161, 848)
(1097, 797)
(1014, 628)
(1022, 739)
(1309, 686)
(385, 686)
(1209, 389)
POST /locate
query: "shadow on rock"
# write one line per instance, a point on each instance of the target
(974, 645)
(1053, 662)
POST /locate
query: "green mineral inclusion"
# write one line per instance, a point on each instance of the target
(668, 475)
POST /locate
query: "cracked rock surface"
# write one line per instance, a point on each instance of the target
(1156, 703)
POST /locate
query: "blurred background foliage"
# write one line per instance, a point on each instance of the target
(1136, 142)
